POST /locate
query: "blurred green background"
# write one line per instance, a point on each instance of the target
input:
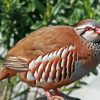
(20, 17)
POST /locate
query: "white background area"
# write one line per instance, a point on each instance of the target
(90, 91)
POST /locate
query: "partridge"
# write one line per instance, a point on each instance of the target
(54, 56)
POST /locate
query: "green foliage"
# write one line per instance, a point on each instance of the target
(20, 17)
(77, 85)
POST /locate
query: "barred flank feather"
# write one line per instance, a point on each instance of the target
(53, 67)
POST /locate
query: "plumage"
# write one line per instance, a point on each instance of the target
(55, 56)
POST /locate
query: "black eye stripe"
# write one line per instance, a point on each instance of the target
(94, 28)
(83, 32)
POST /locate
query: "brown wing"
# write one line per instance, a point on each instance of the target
(43, 41)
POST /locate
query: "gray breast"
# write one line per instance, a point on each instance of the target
(79, 72)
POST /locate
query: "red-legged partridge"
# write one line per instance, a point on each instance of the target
(55, 56)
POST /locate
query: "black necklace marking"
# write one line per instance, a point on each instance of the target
(95, 49)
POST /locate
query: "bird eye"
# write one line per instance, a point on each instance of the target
(88, 28)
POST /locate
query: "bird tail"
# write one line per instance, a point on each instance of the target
(6, 73)
(16, 64)
(12, 66)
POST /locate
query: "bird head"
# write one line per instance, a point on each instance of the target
(89, 30)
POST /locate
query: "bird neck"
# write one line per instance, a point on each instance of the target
(95, 50)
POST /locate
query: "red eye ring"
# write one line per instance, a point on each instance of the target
(88, 28)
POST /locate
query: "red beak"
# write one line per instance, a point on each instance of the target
(97, 30)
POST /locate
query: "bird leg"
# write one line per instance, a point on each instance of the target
(55, 97)
(47, 94)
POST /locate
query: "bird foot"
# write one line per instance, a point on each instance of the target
(50, 97)
(55, 98)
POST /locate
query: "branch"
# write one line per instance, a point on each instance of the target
(4, 93)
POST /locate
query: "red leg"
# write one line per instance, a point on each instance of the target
(47, 94)
(55, 97)
(56, 91)
(49, 97)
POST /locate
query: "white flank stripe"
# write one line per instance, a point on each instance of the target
(35, 74)
(39, 59)
(62, 63)
(37, 81)
(57, 75)
(68, 61)
(63, 74)
(54, 54)
(40, 67)
(57, 66)
(30, 76)
(51, 55)
(71, 48)
(45, 57)
(46, 68)
(50, 74)
(43, 75)
(59, 52)
(52, 67)
(42, 80)
(32, 64)
(49, 80)
(64, 52)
